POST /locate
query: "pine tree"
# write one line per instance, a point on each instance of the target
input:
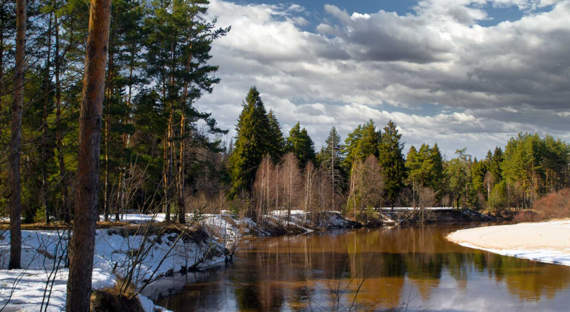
(392, 162)
(350, 149)
(16, 137)
(126, 35)
(251, 144)
(82, 243)
(178, 48)
(369, 140)
(458, 176)
(361, 143)
(331, 158)
(532, 165)
(425, 171)
(300, 144)
(276, 139)
(495, 159)
(436, 182)
(413, 167)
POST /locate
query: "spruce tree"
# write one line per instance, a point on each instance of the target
(251, 144)
(331, 158)
(436, 182)
(392, 162)
(369, 140)
(413, 167)
(350, 149)
(300, 144)
(276, 139)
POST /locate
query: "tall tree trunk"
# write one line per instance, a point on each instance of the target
(170, 134)
(333, 154)
(290, 169)
(1, 66)
(127, 140)
(118, 199)
(181, 201)
(63, 210)
(106, 181)
(170, 156)
(107, 134)
(16, 137)
(85, 217)
(166, 206)
(47, 93)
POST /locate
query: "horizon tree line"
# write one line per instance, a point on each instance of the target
(370, 170)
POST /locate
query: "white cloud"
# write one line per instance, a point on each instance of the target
(483, 84)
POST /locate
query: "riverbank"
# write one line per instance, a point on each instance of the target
(547, 242)
(142, 247)
(207, 240)
(143, 254)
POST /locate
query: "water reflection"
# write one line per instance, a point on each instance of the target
(411, 268)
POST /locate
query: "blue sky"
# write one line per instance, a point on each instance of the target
(364, 6)
(460, 73)
(315, 8)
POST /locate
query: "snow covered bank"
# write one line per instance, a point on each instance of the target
(228, 227)
(165, 252)
(544, 241)
(44, 255)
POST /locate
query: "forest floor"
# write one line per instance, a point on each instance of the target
(547, 242)
(140, 246)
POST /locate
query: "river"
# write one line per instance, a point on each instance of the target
(413, 269)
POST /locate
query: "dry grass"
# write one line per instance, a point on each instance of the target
(552, 206)
(111, 299)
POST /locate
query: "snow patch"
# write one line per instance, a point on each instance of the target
(540, 255)
(44, 254)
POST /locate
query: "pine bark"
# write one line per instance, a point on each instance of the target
(107, 134)
(83, 238)
(165, 181)
(63, 209)
(47, 86)
(181, 201)
(1, 64)
(16, 138)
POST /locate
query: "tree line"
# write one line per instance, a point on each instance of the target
(157, 67)
(270, 171)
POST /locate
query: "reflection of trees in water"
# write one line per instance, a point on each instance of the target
(324, 272)
(526, 279)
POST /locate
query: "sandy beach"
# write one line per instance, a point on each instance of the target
(543, 241)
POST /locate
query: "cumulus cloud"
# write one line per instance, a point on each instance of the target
(482, 84)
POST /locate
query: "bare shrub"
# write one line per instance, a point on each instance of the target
(291, 181)
(366, 186)
(554, 205)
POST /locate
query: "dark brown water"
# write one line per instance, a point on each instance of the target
(412, 269)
